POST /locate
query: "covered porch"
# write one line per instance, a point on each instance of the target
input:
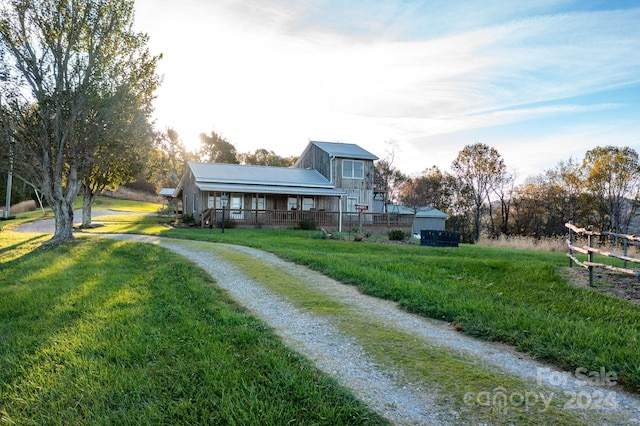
(286, 219)
(268, 206)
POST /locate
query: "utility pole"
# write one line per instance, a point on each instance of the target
(9, 181)
(7, 210)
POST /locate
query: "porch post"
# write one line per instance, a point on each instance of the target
(340, 214)
(255, 212)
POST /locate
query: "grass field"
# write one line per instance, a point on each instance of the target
(512, 296)
(102, 332)
(506, 295)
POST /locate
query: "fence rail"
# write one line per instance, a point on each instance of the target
(590, 250)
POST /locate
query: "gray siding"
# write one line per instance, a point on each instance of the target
(315, 158)
(362, 189)
(428, 223)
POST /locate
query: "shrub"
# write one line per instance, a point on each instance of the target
(397, 235)
(319, 236)
(307, 225)
(228, 224)
(23, 207)
(187, 218)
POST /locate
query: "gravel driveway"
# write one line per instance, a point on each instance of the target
(340, 355)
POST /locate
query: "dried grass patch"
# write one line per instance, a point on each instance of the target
(550, 244)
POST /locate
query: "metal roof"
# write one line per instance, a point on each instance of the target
(269, 189)
(426, 211)
(257, 175)
(261, 179)
(167, 192)
(344, 150)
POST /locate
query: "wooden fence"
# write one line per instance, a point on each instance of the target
(610, 239)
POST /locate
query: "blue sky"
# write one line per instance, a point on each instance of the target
(541, 81)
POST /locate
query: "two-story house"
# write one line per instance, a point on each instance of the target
(329, 184)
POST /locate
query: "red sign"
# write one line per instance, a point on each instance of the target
(362, 207)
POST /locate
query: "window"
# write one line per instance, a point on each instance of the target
(353, 169)
(236, 202)
(195, 203)
(218, 201)
(308, 203)
(257, 202)
(292, 203)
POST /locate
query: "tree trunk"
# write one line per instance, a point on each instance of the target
(492, 221)
(87, 201)
(477, 218)
(63, 212)
(476, 231)
(62, 206)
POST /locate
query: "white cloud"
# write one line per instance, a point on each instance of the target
(271, 75)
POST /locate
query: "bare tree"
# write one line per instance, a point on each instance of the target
(387, 178)
(504, 191)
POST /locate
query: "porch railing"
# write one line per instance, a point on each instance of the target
(211, 218)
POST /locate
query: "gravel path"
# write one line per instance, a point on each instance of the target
(341, 356)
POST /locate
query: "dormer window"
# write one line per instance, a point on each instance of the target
(353, 169)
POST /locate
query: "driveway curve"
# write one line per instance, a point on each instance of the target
(341, 356)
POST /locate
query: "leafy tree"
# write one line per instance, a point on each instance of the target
(216, 149)
(544, 203)
(458, 199)
(424, 191)
(612, 176)
(126, 137)
(167, 159)
(528, 209)
(567, 176)
(64, 57)
(480, 167)
(262, 157)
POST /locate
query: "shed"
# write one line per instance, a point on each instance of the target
(425, 218)
(169, 195)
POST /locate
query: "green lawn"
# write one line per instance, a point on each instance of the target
(512, 296)
(105, 332)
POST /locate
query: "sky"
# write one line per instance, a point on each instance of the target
(542, 81)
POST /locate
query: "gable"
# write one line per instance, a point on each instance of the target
(344, 150)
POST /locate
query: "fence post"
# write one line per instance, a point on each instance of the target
(591, 259)
(625, 245)
(570, 248)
